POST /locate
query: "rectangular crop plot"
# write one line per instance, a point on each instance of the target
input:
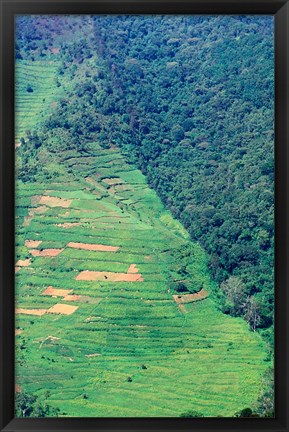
(30, 311)
(56, 292)
(32, 243)
(189, 298)
(23, 263)
(93, 247)
(109, 276)
(46, 252)
(51, 201)
(62, 309)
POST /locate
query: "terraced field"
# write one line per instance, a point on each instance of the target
(36, 91)
(96, 321)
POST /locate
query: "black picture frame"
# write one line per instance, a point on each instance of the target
(280, 10)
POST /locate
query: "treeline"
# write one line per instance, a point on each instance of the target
(190, 100)
(199, 109)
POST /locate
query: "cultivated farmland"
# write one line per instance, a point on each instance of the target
(119, 342)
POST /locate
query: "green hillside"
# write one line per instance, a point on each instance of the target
(117, 313)
(178, 358)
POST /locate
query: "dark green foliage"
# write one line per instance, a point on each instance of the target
(265, 403)
(246, 412)
(28, 405)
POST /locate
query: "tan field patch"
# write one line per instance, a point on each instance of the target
(23, 263)
(93, 247)
(108, 276)
(54, 201)
(18, 144)
(18, 332)
(32, 243)
(189, 298)
(72, 297)
(17, 269)
(31, 311)
(38, 210)
(113, 181)
(46, 252)
(62, 309)
(133, 269)
(56, 292)
(17, 388)
(92, 355)
(68, 224)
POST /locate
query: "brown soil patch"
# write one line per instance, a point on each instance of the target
(32, 243)
(62, 309)
(38, 210)
(46, 252)
(108, 276)
(72, 297)
(55, 50)
(189, 298)
(56, 292)
(23, 263)
(31, 311)
(93, 247)
(113, 181)
(17, 388)
(18, 332)
(68, 224)
(18, 144)
(54, 201)
(133, 269)
(92, 355)
(17, 269)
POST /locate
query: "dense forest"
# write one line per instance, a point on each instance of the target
(190, 101)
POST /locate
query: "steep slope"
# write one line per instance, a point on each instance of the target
(125, 348)
(115, 312)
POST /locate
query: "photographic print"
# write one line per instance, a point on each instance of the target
(144, 216)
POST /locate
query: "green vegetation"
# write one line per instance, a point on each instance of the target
(27, 405)
(131, 348)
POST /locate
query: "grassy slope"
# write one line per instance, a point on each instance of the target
(199, 360)
(31, 107)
